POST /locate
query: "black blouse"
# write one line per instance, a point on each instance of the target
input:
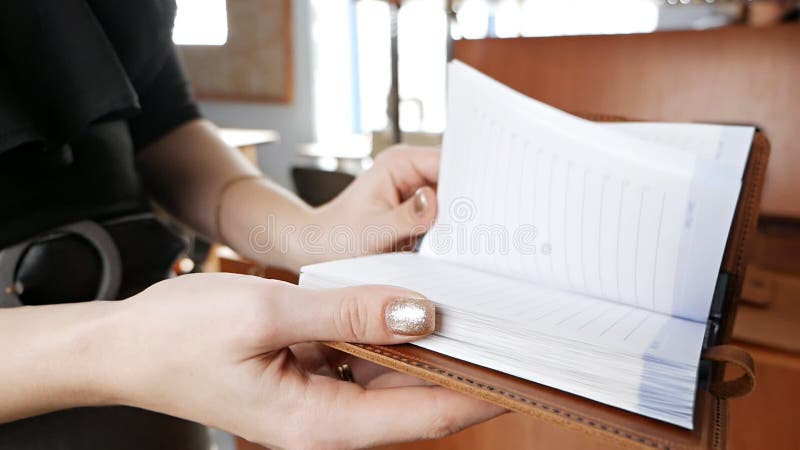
(83, 85)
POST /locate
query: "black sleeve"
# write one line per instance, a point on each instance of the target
(166, 103)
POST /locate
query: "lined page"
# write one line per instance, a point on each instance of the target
(631, 358)
(530, 192)
(523, 306)
(729, 145)
(627, 357)
(722, 152)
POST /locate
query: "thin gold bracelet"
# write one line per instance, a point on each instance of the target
(221, 197)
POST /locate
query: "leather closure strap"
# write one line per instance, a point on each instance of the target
(731, 354)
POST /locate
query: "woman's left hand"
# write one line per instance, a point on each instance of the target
(384, 209)
(215, 190)
(236, 352)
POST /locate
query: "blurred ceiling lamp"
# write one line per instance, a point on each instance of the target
(201, 22)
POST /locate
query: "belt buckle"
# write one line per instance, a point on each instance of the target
(91, 231)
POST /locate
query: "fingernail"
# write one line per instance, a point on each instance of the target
(420, 202)
(411, 316)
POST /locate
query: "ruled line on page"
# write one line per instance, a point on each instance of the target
(551, 159)
(644, 319)
(630, 311)
(658, 240)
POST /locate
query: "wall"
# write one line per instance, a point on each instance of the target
(294, 121)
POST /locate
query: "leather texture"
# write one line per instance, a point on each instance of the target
(626, 429)
(744, 384)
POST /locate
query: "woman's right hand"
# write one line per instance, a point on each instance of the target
(220, 349)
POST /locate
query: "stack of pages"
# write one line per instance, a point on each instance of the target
(578, 255)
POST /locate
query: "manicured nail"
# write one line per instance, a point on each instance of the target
(420, 202)
(411, 316)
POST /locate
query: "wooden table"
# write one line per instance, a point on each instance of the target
(248, 140)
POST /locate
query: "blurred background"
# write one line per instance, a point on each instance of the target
(312, 90)
(320, 72)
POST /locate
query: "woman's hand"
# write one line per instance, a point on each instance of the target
(232, 351)
(384, 209)
(189, 172)
(387, 207)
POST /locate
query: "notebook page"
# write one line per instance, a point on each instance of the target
(635, 359)
(530, 192)
(729, 145)
(524, 306)
(722, 151)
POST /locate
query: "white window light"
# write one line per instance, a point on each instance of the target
(422, 54)
(201, 22)
(473, 19)
(507, 19)
(374, 62)
(580, 17)
(332, 69)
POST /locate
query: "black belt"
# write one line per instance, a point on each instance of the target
(89, 260)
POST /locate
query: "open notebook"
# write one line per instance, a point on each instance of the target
(578, 255)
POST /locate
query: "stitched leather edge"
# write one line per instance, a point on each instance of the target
(519, 402)
(753, 183)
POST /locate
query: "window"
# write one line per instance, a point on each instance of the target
(373, 37)
(201, 22)
(584, 17)
(422, 55)
(351, 41)
(352, 66)
(477, 19)
(333, 70)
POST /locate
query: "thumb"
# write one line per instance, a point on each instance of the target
(363, 314)
(414, 216)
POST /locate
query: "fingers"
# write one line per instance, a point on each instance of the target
(364, 314)
(322, 360)
(315, 358)
(426, 161)
(367, 418)
(411, 166)
(390, 379)
(373, 376)
(414, 216)
(414, 413)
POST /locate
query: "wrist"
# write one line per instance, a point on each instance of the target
(93, 349)
(267, 224)
(307, 239)
(56, 357)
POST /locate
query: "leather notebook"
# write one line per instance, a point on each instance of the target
(562, 313)
(594, 418)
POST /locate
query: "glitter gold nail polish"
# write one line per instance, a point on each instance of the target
(410, 316)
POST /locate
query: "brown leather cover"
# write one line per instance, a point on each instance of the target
(583, 415)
